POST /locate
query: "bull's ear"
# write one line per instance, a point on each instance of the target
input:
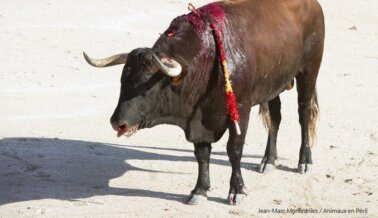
(176, 81)
(107, 62)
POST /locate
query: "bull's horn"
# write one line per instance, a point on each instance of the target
(107, 62)
(173, 71)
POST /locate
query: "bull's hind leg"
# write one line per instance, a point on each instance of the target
(308, 112)
(202, 152)
(272, 120)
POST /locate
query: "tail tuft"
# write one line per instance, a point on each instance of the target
(313, 119)
(265, 115)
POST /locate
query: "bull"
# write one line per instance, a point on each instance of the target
(268, 44)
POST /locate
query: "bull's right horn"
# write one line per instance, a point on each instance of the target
(107, 62)
(173, 70)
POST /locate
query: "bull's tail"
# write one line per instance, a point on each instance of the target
(313, 119)
(265, 115)
(312, 125)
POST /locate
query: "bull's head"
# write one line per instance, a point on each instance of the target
(154, 85)
(141, 85)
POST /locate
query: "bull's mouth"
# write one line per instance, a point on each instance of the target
(127, 131)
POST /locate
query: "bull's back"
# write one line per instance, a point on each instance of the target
(274, 36)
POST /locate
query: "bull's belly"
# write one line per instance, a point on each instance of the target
(268, 87)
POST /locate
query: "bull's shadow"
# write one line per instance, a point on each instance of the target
(41, 168)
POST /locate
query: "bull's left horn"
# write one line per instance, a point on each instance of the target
(107, 62)
(173, 71)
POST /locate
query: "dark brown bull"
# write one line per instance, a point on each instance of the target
(268, 44)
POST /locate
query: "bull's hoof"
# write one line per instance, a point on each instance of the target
(266, 168)
(235, 199)
(304, 168)
(196, 199)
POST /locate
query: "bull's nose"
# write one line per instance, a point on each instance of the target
(119, 126)
(115, 122)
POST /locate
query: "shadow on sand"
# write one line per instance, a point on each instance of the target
(42, 168)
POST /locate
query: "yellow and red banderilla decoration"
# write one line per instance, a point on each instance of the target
(231, 99)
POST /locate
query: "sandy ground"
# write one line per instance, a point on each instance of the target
(59, 156)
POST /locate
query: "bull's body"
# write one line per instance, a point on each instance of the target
(268, 44)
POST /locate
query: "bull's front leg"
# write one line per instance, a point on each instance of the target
(235, 151)
(202, 152)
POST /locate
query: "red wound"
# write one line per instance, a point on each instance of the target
(171, 34)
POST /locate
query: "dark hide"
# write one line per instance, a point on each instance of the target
(268, 44)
